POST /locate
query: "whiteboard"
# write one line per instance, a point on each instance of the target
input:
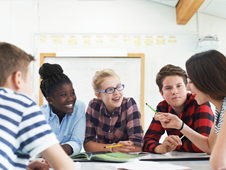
(82, 69)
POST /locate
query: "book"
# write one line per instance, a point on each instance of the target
(108, 157)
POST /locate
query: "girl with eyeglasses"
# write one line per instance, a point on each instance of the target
(112, 119)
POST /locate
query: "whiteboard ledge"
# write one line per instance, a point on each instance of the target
(92, 53)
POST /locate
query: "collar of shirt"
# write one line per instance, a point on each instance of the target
(6, 90)
(117, 112)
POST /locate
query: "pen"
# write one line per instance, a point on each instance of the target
(111, 146)
(182, 137)
(152, 109)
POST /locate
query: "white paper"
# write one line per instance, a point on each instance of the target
(141, 165)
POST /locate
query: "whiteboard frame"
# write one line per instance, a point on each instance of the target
(129, 55)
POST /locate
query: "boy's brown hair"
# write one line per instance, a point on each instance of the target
(13, 59)
(170, 70)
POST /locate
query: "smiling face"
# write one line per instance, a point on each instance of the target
(200, 96)
(174, 92)
(63, 99)
(114, 100)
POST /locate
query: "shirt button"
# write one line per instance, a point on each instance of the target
(110, 117)
(109, 131)
(109, 141)
(113, 113)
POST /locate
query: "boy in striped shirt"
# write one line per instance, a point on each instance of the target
(24, 132)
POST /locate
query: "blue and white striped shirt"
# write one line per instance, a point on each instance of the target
(24, 132)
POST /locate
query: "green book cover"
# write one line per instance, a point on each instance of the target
(109, 157)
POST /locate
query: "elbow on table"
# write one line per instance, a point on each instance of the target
(217, 163)
(87, 147)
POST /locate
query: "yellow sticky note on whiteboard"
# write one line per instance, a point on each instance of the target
(160, 41)
(87, 41)
(72, 41)
(172, 40)
(125, 40)
(137, 42)
(148, 42)
(57, 40)
(42, 40)
(99, 40)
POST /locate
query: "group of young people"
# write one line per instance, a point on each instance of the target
(110, 118)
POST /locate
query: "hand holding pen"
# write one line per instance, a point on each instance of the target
(157, 117)
(122, 146)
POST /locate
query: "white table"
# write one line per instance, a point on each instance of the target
(194, 165)
(176, 158)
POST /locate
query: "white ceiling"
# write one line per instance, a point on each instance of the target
(211, 7)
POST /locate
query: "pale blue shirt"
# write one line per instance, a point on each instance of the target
(71, 130)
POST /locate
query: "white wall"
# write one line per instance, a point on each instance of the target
(21, 19)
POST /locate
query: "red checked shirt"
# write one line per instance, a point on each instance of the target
(198, 117)
(123, 124)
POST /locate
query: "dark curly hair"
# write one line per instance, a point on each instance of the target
(52, 77)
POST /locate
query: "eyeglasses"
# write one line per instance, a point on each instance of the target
(111, 90)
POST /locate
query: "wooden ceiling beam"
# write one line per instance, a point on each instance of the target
(185, 9)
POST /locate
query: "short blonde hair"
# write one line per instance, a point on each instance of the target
(100, 76)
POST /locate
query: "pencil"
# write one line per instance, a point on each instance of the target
(111, 146)
(182, 137)
(152, 109)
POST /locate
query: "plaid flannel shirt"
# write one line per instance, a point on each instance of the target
(198, 117)
(123, 124)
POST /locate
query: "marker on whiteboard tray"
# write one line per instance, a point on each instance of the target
(152, 109)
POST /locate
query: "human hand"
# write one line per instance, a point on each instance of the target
(156, 116)
(47, 163)
(170, 143)
(169, 120)
(128, 147)
(37, 165)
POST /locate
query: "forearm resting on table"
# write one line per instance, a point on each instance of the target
(158, 149)
(137, 149)
(57, 158)
(92, 146)
(197, 139)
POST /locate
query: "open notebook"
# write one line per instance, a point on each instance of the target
(102, 156)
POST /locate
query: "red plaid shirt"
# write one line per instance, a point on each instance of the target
(123, 124)
(198, 117)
